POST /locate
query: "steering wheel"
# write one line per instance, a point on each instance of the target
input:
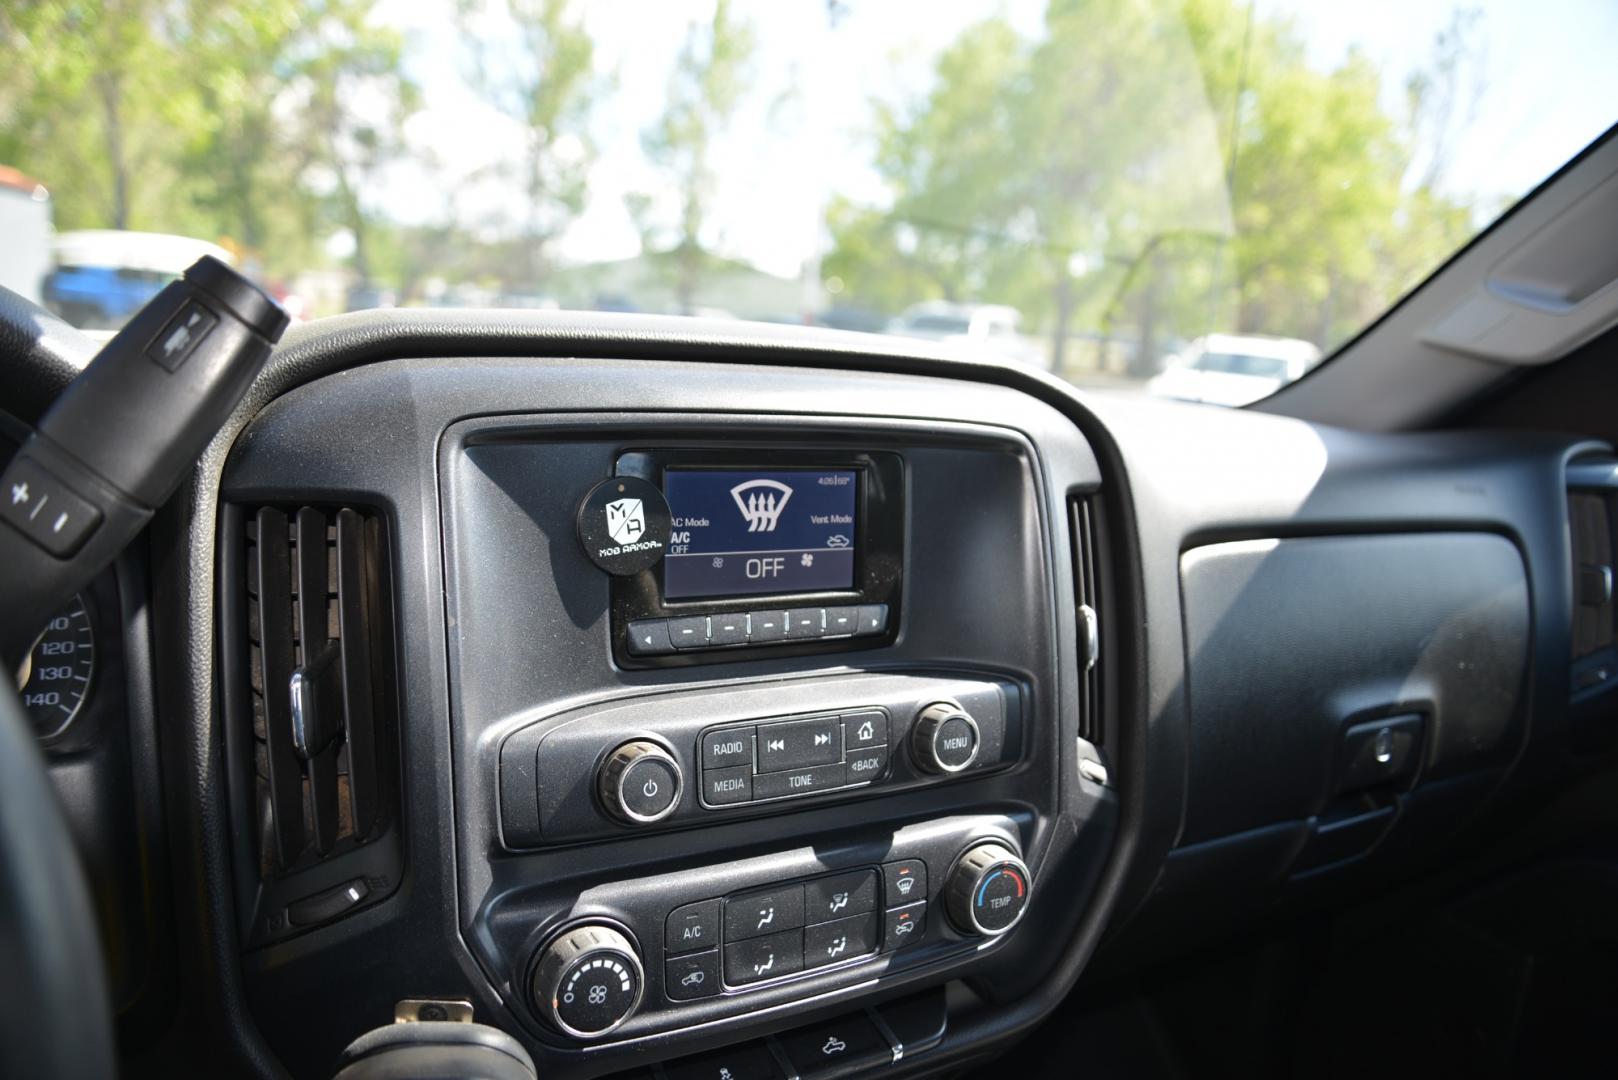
(55, 1020)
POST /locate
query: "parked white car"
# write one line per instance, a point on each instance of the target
(994, 326)
(1234, 369)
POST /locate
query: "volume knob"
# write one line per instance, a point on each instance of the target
(640, 783)
(588, 981)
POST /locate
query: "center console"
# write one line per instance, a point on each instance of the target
(762, 723)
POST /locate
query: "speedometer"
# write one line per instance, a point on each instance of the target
(55, 677)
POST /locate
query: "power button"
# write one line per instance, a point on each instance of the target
(640, 783)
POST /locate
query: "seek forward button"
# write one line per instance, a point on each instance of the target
(799, 743)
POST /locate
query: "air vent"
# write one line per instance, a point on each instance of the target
(321, 705)
(1592, 488)
(1087, 586)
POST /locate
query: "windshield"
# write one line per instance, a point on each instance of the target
(1120, 178)
(1266, 367)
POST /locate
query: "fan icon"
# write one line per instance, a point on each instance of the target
(807, 559)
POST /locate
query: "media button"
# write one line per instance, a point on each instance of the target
(727, 747)
(799, 781)
(723, 787)
(798, 743)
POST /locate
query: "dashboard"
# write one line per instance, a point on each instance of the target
(690, 704)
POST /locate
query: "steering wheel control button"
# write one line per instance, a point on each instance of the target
(760, 958)
(686, 978)
(588, 981)
(692, 928)
(945, 739)
(624, 525)
(759, 913)
(864, 730)
(988, 890)
(839, 897)
(649, 637)
(903, 926)
(726, 787)
(842, 1047)
(640, 783)
(44, 509)
(904, 881)
(799, 743)
(841, 939)
(727, 747)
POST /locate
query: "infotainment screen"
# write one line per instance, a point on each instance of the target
(740, 533)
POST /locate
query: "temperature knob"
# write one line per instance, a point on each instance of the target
(640, 783)
(988, 890)
(588, 981)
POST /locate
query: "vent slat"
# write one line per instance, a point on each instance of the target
(276, 651)
(354, 620)
(1087, 585)
(312, 641)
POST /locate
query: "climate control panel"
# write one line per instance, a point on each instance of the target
(650, 952)
(707, 755)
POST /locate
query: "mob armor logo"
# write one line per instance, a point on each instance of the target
(626, 520)
(759, 504)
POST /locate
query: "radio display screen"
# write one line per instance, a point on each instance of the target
(743, 533)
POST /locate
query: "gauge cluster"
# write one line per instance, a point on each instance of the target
(58, 675)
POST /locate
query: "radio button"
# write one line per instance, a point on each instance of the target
(727, 747)
(724, 787)
(867, 765)
(840, 897)
(799, 781)
(690, 632)
(765, 912)
(799, 743)
(873, 620)
(806, 623)
(768, 626)
(842, 621)
(727, 629)
(649, 637)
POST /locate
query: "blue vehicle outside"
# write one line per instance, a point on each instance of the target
(100, 297)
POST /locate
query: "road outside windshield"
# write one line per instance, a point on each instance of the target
(1197, 198)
